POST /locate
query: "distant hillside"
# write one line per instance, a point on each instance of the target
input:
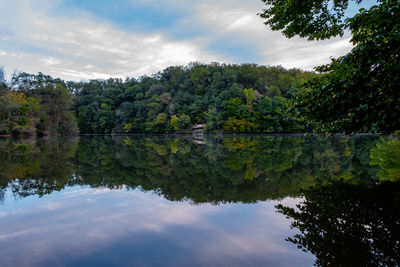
(226, 98)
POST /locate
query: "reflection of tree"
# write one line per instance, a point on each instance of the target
(2, 193)
(386, 155)
(229, 169)
(342, 223)
(349, 225)
(30, 167)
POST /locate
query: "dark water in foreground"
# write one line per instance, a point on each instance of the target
(175, 201)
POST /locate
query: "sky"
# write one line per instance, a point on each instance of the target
(91, 39)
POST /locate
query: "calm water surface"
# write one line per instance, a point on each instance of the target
(218, 201)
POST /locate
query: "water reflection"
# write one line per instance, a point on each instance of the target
(93, 189)
(349, 225)
(234, 169)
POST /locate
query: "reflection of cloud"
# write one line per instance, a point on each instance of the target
(53, 206)
(15, 234)
(99, 221)
(251, 240)
(82, 221)
(101, 190)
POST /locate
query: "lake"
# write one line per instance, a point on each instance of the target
(213, 201)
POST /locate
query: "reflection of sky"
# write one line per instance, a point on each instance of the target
(98, 227)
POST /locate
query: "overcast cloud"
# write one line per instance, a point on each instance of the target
(78, 40)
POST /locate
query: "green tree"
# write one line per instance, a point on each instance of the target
(180, 122)
(315, 19)
(267, 115)
(161, 118)
(106, 118)
(19, 114)
(359, 91)
(386, 155)
(174, 122)
(2, 76)
(251, 97)
(87, 119)
(273, 91)
(57, 102)
(184, 121)
(235, 108)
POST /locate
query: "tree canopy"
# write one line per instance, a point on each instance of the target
(359, 92)
(225, 98)
(36, 104)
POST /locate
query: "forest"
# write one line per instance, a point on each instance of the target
(224, 98)
(357, 92)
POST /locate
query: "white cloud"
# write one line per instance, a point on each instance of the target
(80, 48)
(238, 20)
(84, 47)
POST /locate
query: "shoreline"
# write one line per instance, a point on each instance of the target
(191, 134)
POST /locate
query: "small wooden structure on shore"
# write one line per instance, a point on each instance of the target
(198, 130)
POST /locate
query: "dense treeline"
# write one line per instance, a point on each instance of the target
(36, 104)
(229, 98)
